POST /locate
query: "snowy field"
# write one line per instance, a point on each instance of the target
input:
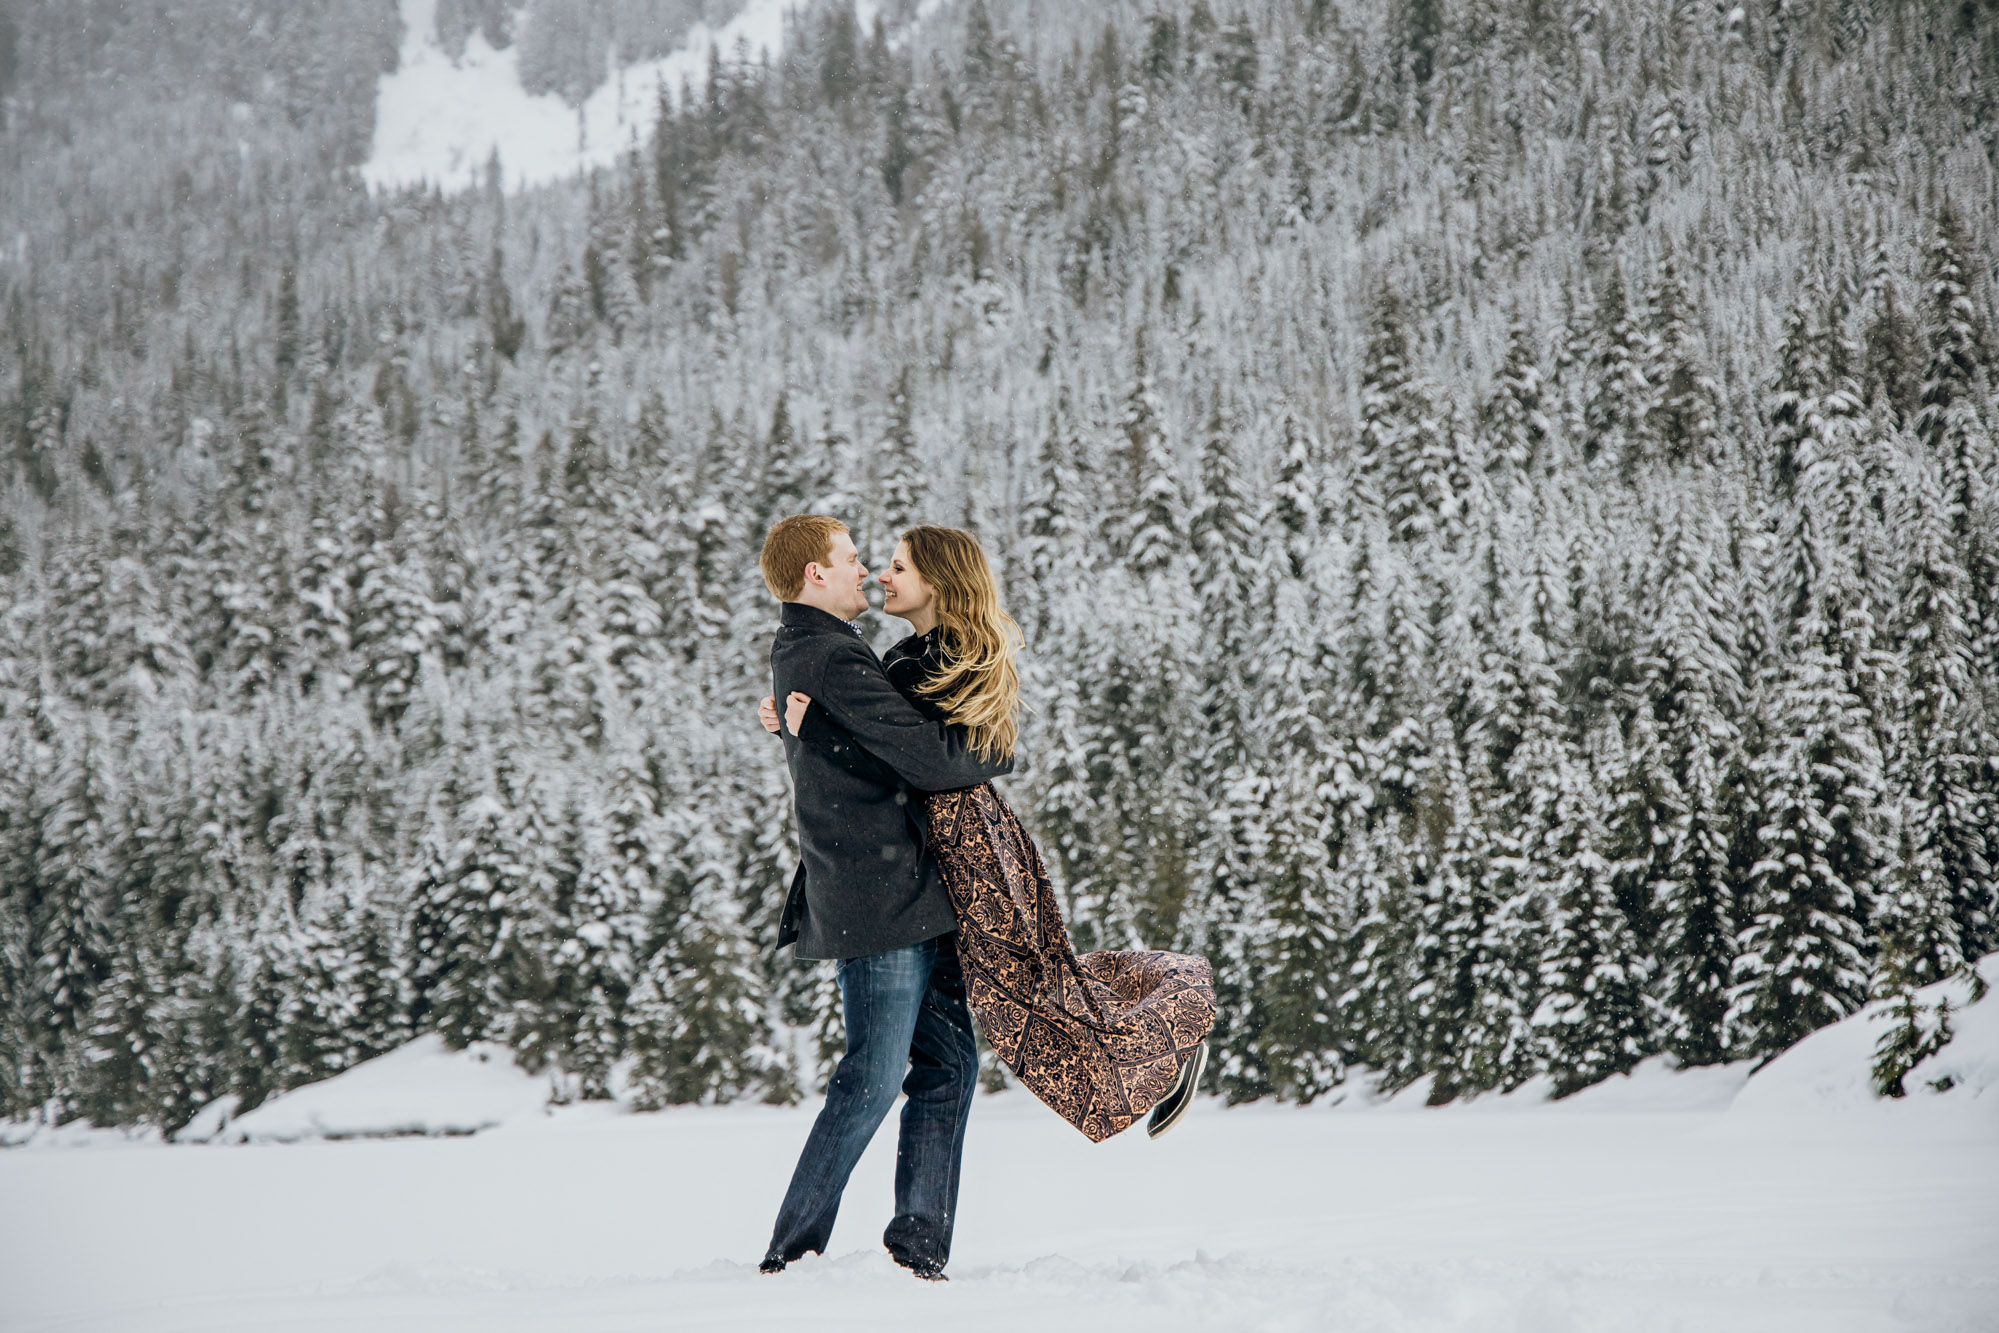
(1705, 1200)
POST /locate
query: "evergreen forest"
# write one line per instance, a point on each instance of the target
(1502, 499)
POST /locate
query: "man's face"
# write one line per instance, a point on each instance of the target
(844, 578)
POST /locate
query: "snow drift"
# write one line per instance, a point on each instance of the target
(1833, 1068)
(419, 1088)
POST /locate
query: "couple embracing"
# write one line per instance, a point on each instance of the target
(917, 877)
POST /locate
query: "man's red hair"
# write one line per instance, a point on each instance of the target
(794, 543)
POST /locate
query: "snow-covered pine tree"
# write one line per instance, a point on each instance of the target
(1513, 421)
(1146, 522)
(787, 481)
(1940, 890)
(1690, 883)
(537, 973)
(706, 542)
(126, 1037)
(116, 644)
(1379, 1011)
(371, 937)
(1382, 685)
(1892, 366)
(1475, 992)
(393, 622)
(1570, 381)
(463, 883)
(568, 319)
(71, 937)
(1236, 926)
(256, 1032)
(1462, 486)
(1680, 410)
(1141, 661)
(1955, 425)
(810, 1003)
(1226, 541)
(616, 891)
(901, 486)
(1616, 389)
(1802, 946)
(1403, 449)
(1274, 905)
(1054, 519)
(505, 330)
(1919, 946)
(698, 1014)
(1794, 398)
(1595, 1017)
(1950, 420)
(1062, 809)
(320, 991)
(1295, 494)
(766, 841)
(1546, 848)
(18, 1066)
(1856, 492)
(598, 954)
(593, 956)
(253, 574)
(607, 266)
(1246, 661)
(204, 1053)
(137, 1068)
(1298, 1044)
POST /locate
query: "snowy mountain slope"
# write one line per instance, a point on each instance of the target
(439, 120)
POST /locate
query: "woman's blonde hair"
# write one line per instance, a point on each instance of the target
(979, 686)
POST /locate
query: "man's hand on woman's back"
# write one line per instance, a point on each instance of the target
(794, 712)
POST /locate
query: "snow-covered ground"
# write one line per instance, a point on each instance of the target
(1704, 1200)
(439, 120)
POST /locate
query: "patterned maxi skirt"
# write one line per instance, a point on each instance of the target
(1099, 1037)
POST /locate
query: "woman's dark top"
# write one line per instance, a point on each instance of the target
(915, 660)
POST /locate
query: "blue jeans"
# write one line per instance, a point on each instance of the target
(905, 1011)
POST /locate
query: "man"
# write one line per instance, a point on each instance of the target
(868, 894)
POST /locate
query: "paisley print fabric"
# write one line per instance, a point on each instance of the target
(1098, 1037)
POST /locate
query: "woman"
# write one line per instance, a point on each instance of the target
(1101, 1038)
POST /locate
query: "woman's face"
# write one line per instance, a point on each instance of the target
(904, 593)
